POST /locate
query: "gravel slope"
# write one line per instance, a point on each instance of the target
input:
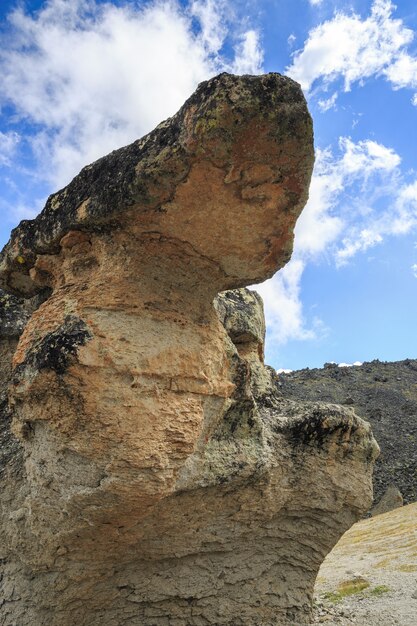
(382, 553)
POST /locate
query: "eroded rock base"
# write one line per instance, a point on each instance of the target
(240, 541)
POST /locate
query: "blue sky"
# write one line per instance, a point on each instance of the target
(82, 77)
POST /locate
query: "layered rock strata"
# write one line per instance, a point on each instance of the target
(162, 482)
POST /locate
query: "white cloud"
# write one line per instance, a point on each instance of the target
(361, 241)
(12, 212)
(249, 54)
(24, 212)
(357, 199)
(318, 226)
(213, 29)
(408, 195)
(405, 210)
(403, 72)
(315, 3)
(322, 222)
(355, 364)
(283, 307)
(8, 145)
(291, 39)
(93, 76)
(398, 217)
(381, 205)
(328, 103)
(354, 49)
(414, 269)
(366, 157)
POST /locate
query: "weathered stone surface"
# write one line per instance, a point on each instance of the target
(242, 314)
(385, 394)
(13, 316)
(164, 482)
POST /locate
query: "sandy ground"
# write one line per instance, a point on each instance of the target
(379, 554)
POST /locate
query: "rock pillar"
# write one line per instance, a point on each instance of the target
(163, 481)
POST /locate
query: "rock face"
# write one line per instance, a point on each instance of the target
(156, 477)
(385, 394)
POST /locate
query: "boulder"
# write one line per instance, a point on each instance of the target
(163, 481)
(391, 499)
(382, 393)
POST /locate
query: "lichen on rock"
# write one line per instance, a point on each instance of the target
(166, 482)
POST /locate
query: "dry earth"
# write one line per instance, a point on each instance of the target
(378, 555)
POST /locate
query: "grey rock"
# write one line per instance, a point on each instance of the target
(391, 499)
(383, 393)
(241, 312)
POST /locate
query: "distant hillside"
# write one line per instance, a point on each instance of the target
(385, 394)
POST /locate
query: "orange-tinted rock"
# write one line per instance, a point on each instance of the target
(165, 481)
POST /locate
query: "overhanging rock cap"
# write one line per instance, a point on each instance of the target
(251, 135)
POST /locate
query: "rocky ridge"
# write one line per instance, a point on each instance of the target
(384, 394)
(155, 477)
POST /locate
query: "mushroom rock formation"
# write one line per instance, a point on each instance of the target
(162, 481)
